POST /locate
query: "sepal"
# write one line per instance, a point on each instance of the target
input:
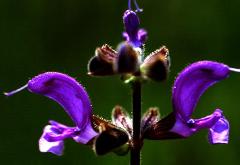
(122, 119)
(110, 138)
(151, 117)
(103, 62)
(127, 59)
(156, 65)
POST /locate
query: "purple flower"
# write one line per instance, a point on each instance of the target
(74, 99)
(190, 84)
(133, 34)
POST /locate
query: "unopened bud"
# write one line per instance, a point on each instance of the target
(156, 65)
(110, 140)
(122, 119)
(127, 60)
(103, 61)
(151, 117)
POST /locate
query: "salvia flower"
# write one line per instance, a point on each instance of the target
(104, 136)
(74, 99)
(190, 84)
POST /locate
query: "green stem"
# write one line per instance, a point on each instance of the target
(136, 106)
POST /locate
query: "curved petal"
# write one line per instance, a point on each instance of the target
(86, 135)
(192, 83)
(52, 139)
(219, 133)
(53, 147)
(67, 92)
(216, 123)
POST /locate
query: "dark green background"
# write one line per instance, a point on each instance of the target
(61, 35)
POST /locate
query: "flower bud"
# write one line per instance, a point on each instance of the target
(151, 117)
(110, 139)
(156, 65)
(127, 60)
(102, 63)
(122, 119)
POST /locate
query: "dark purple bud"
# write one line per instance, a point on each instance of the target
(127, 60)
(122, 119)
(102, 63)
(131, 22)
(109, 140)
(110, 137)
(156, 65)
(151, 117)
(133, 34)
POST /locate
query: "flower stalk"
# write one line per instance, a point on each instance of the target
(136, 114)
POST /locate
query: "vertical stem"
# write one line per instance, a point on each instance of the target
(136, 106)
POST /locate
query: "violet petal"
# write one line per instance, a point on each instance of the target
(142, 35)
(85, 135)
(52, 140)
(219, 133)
(67, 92)
(192, 83)
(216, 123)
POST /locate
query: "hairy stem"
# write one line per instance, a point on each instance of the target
(136, 103)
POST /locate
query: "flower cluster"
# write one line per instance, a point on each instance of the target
(129, 62)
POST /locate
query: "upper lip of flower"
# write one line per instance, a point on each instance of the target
(67, 92)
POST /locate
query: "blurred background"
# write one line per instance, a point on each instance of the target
(61, 35)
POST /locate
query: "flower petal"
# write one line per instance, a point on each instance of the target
(53, 147)
(142, 35)
(219, 133)
(216, 123)
(86, 135)
(67, 92)
(52, 139)
(192, 83)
